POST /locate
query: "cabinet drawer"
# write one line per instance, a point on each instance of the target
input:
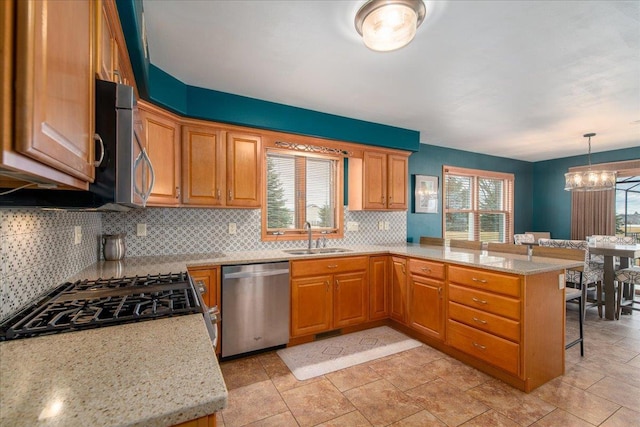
(497, 325)
(492, 303)
(490, 348)
(481, 279)
(328, 266)
(431, 269)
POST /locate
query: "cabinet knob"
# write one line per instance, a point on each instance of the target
(177, 192)
(327, 283)
(337, 284)
(218, 193)
(229, 194)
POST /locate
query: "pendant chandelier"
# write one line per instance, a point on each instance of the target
(387, 25)
(590, 180)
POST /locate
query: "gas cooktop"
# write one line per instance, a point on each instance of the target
(89, 304)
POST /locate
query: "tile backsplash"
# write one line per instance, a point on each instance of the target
(38, 250)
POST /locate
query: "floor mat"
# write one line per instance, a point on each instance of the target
(321, 357)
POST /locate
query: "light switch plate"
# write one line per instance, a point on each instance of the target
(381, 225)
(386, 225)
(141, 230)
(232, 228)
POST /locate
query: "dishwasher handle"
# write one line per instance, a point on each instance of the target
(246, 274)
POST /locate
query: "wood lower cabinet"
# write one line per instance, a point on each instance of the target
(206, 421)
(513, 323)
(379, 284)
(48, 91)
(398, 307)
(161, 132)
(328, 293)
(426, 297)
(207, 281)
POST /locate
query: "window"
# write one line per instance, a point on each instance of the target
(301, 187)
(478, 205)
(628, 206)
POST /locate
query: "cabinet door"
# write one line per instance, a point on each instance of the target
(375, 180)
(162, 141)
(244, 169)
(351, 299)
(397, 181)
(106, 51)
(55, 84)
(425, 306)
(379, 281)
(208, 280)
(202, 164)
(399, 289)
(311, 305)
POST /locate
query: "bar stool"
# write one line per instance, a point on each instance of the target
(627, 278)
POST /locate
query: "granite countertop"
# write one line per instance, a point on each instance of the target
(152, 373)
(503, 262)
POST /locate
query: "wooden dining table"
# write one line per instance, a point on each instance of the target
(609, 251)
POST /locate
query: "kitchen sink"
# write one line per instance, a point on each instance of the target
(316, 251)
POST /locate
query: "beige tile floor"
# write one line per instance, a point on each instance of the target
(424, 387)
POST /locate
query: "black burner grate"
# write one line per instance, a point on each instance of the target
(94, 303)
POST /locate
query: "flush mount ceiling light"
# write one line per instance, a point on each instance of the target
(389, 24)
(590, 180)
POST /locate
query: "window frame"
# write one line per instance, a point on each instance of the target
(476, 174)
(286, 234)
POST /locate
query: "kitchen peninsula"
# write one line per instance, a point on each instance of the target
(522, 343)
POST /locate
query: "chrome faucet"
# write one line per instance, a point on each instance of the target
(307, 226)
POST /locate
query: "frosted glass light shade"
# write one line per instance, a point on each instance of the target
(387, 25)
(590, 180)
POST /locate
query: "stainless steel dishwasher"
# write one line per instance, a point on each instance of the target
(255, 307)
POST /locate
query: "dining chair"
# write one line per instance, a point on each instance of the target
(620, 240)
(589, 278)
(468, 244)
(508, 248)
(539, 235)
(524, 238)
(571, 294)
(431, 241)
(626, 279)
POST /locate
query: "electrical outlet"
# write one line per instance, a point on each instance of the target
(381, 225)
(386, 225)
(353, 226)
(141, 230)
(232, 228)
(561, 281)
(77, 234)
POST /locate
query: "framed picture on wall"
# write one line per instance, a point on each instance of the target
(426, 195)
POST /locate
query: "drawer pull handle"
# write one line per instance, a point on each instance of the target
(479, 280)
(327, 283)
(480, 301)
(475, 319)
(480, 346)
(332, 266)
(426, 269)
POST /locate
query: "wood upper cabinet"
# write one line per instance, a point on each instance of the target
(162, 141)
(112, 58)
(379, 283)
(328, 294)
(244, 169)
(220, 167)
(203, 160)
(426, 297)
(378, 181)
(398, 308)
(52, 90)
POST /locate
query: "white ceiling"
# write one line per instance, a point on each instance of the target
(518, 79)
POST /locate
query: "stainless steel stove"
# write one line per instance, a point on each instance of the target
(96, 303)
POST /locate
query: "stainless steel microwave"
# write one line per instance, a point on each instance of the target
(124, 175)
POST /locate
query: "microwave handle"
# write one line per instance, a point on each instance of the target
(143, 156)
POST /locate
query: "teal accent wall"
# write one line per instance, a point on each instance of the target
(551, 204)
(429, 161)
(165, 90)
